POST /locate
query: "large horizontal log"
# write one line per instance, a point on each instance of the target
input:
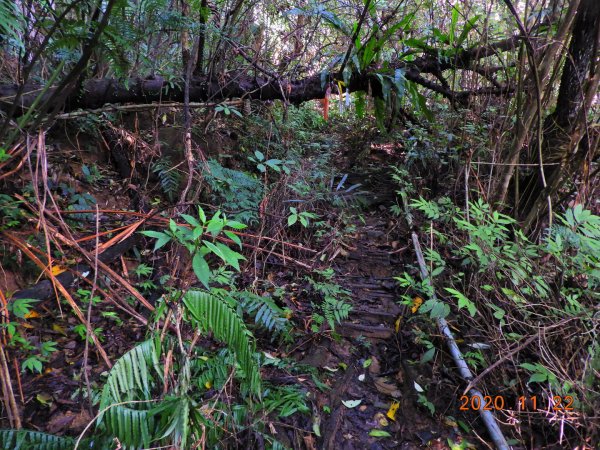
(98, 92)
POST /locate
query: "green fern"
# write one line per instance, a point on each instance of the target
(214, 315)
(212, 371)
(33, 440)
(169, 178)
(285, 400)
(129, 381)
(238, 193)
(11, 23)
(335, 311)
(265, 312)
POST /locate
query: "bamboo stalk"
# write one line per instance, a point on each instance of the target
(488, 418)
(10, 403)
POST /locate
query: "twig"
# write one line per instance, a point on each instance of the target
(538, 98)
(25, 248)
(142, 107)
(9, 397)
(479, 377)
(89, 330)
(354, 36)
(187, 120)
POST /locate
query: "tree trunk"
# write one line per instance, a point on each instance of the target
(566, 126)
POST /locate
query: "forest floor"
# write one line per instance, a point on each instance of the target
(369, 380)
(364, 361)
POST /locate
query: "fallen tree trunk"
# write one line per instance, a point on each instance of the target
(425, 71)
(97, 93)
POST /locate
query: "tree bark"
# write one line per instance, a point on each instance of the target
(547, 62)
(566, 126)
(271, 86)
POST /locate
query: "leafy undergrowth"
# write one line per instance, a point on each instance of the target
(283, 308)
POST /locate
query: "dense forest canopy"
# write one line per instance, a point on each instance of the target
(197, 197)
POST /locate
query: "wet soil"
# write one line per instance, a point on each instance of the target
(373, 349)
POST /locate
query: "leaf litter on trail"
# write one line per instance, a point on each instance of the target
(351, 403)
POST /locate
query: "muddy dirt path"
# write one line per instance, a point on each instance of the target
(373, 401)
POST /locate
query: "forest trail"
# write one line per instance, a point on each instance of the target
(373, 399)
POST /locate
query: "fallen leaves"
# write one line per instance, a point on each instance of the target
(351, 403)
(379, 433)
(391, 414)
(386, 387)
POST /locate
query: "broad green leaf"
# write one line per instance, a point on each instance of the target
(161, 238)
(191, 220)
(201, 269)
(20, 307)
(528, 366)
(234, 237)
(379, 433)
(236, 225)
(231, 257)
(172, 226)
(201, 215)
(427, 356)
(467, 28)
(197, 233)
(453, 22)
(215, 225)
(538, 378)
(152, 234)
(213, 248)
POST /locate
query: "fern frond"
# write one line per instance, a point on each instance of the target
(335, 311)
(238, 192)
(33, 440)
(285, 400)
(213, 371)
(130, 380)
(264, 310)
(11, 22)
(168, 177)
(214, 315)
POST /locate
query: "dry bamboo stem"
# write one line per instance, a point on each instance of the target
(12, 410)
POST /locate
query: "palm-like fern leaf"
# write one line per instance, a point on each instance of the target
(265, 311)
(214, 315)
(213, 371)
(33, 440)
(335, 311)
(130, 381)
(169, 177)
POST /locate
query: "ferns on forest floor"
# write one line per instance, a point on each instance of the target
(236, 192)
(264, 310)
(169, 178)
(334, 307)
